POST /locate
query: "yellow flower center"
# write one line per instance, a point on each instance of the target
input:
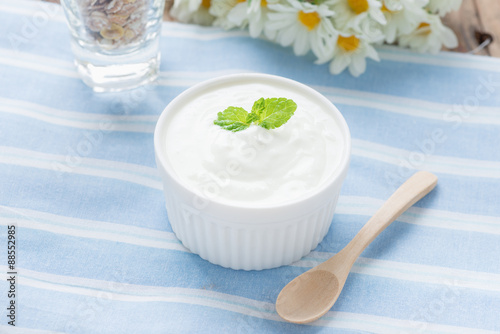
(350, 43)
(424, 28)
(205, 3)
(263, 3)
(310, 20)
(358, 6)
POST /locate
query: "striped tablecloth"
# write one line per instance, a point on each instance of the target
(95, 252)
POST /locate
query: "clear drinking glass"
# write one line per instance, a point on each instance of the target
(115, 42)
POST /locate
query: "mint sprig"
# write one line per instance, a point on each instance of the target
(234, 119)
(268, 113)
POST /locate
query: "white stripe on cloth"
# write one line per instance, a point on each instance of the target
(367, 206)
(449, 277)
(34, 62)
(416, 160)
(138, 174)
(443, 59)
(35, 10)
(85, 228)
(78, 119)
(188, 79)
(178, 30)
(23, 330)
(454, 115)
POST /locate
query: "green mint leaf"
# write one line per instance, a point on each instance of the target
(234, 119)
(252, 118)
(258, 107)
(268, 113)
(273, 112)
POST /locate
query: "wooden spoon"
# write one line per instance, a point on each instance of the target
(310, 295)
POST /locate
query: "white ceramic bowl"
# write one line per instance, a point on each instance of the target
(241, 236)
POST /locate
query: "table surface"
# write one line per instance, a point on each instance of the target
(481, 16)
(95, 249)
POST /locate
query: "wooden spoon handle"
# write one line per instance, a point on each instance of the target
(410, 192)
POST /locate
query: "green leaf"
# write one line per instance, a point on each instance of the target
(258, 107)
(234, 119)
(273, 112)
(268, 113)
(252, 118)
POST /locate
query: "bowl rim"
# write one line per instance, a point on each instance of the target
(162, 159)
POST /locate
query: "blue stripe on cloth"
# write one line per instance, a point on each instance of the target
(83, 196)
(385, 178)
(431, 137)
(30, 32)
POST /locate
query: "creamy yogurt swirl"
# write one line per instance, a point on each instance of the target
(254, 166)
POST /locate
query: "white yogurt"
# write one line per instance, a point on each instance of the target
(255, 166)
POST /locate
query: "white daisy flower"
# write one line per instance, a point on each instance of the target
(257, 18)
(429, 36)
(303, 25)
(195, 11)
(403, 16)
(229, 13)
(358, 17)
(443, 7)
(350, 51)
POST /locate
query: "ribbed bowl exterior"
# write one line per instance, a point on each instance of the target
(249, 247)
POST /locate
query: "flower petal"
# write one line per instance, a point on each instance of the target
(357, 66)
(301, 45)
(339, 63)
(286, 36)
